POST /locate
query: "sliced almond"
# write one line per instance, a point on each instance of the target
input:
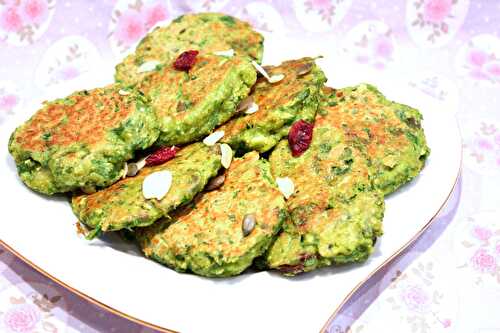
(273, 79)
(148, 66)
(252, 109)
(141, 163)
(157, 184)
(226, 155)
(276, 78)
(226, 53)
(286, 186)
(123, 92)
(213, 138)
(260, 69)
(125, 171)
(244, 104)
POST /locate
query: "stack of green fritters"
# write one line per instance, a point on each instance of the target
(242, 196)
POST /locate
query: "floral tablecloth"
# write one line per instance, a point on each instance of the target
(448, 281)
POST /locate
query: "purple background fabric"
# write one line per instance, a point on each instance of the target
(448, 280)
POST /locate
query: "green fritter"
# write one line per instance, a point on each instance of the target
(82, 141)
(189, 105)
(207, 32)
(222, 231)
(335, 214)
(280, 104)
(390, 134)
(123, 206)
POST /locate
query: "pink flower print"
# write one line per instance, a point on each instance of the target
(492, 69)
(446, 323)
(154, 14)
(483, 262)
(382, 47)
(363, 59)
(10, 20)
(481, 233)
(482, 66)
(8, 102)
(488, 129)
(483, 144)
(67, 73)
(436, 11)
(379, 65)
(477, 58)
(478, 74)
(324, 8)
(322, 5)
(22, 318)
(130, 28)
(416, 299)
(34, 11)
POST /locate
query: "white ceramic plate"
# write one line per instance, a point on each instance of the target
(42, 231)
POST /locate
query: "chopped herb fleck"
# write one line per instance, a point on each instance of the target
(228, 20)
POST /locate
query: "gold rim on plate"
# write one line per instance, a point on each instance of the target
(395, 254)
(85, 296)
(166, 330)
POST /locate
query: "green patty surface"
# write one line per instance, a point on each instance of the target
(189, 105)
(335, 214)
(123, 206)
(207, 32)
(83, 140)
(390, 134)
(206, 237)
(280, 104)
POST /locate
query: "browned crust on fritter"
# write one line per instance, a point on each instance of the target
(82, 122)
(269, 96)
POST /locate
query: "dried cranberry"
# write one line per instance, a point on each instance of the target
(291, 269)
(161, 156)
(298, 268)
(185, 60)
(300, 137)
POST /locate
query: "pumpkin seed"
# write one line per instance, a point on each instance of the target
(181, 106)
(304, 69)
(248, 224)
(215, 183)
(134, 168)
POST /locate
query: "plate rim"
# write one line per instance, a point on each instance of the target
(400, 250)
(337, 308)
(83, 295)
(327, 323)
